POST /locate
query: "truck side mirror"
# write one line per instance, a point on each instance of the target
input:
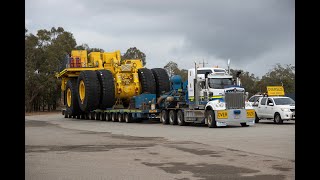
(270, 104)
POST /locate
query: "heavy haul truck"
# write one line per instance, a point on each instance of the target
(100, 81)
(209, 96)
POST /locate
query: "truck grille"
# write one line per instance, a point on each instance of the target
(235, 100)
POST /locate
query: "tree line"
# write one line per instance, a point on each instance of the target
(278, 76)
(47, 52)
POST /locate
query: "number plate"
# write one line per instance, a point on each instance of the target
(250, 113)
(222, 115)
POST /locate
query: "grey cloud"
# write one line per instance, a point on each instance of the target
(243, 30)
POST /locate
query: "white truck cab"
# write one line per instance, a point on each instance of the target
(222, 97)
(277, 108)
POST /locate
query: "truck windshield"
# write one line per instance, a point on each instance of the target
(219, 83)
(284, 101)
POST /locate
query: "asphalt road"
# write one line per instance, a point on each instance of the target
(59, 148)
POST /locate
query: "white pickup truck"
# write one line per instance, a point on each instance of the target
(278, 108)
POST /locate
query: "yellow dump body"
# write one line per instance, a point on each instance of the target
(126, 79)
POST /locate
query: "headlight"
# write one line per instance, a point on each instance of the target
(285, 109)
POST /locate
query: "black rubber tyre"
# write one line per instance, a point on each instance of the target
(74, 108)
(114, 117)
(164, 117)
(107, 96)
(86, 116)
(108, 117)
(93, 116)
(120, 117)
(65, 114)
(89, 99)
(162, 80)
(256, 120)
(173, 117)
(128, 117)
(102, 116)
(277, 119)
(244, 124)
(97, 115)
(146, 78)
(211, 119)
(180, 118)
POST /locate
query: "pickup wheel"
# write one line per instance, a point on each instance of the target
(256, 118)
(211, 119)
(277, 119)
(164, 117)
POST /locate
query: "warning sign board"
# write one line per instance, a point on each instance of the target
(275, 91)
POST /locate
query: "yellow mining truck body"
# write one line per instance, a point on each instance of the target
(125, 73)
(100, 80)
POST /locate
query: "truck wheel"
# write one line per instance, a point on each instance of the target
(107, 97)
(97, 115)
(172, 117)
(162, 80)
(89, 91)
(92, 115)
(277, 118)
(180, 118)
(211, 119)
(103, 116)
(65, 114)
(114, 117)
(86, 116)
(108, 117)
(146, 78)
(244, 124)
(164, 117)
(72, 106)
(128, 118)
(256, 118)
(120, 117)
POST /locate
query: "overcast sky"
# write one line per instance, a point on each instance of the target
(253, 34)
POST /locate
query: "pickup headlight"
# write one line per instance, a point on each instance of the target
(285, 109)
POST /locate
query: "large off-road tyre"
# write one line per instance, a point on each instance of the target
(173, 117)
(72, 105)
(162, 80)
(107, 89)
(146, 78)
(211, 119)
(89, 91)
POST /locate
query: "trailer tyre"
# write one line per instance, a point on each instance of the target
(107, 97)
(89, 91)
(164, 117)
(173, 117)
(211, 119)
(120, 117)
(128, 117)
(146, 78)
(114, 117)
(162, 80)
(72, 105)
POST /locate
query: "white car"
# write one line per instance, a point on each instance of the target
(277, 108)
